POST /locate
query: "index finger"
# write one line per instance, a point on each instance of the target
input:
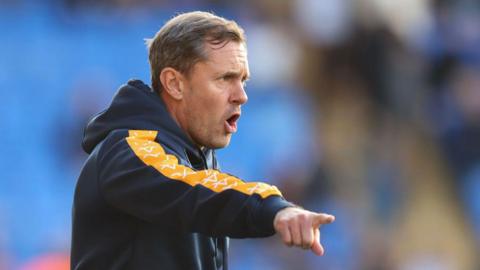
(320, 219)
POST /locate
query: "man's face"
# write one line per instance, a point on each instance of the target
(214, 94)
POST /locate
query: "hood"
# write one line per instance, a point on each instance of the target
(134, 106)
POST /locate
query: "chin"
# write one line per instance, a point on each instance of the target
(219, 143)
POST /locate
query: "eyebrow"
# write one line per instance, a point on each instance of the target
(235, 74)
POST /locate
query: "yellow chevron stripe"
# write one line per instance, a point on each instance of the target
(151, 153)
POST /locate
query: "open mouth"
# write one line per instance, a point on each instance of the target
(231, 123)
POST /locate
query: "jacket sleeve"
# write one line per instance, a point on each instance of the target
(138, 177)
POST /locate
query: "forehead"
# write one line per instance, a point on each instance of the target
(227, 55)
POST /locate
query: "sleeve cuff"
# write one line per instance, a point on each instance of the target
(267, 211)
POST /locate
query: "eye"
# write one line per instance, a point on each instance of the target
(244, 83)
(228, 77)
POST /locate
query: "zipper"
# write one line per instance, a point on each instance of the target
(204, 159)
(215, 253)
(223, 263)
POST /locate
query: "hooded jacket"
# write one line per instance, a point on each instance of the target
(149, 198)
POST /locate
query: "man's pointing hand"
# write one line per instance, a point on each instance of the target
(301, 228)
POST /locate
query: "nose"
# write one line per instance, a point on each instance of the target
(239, 96)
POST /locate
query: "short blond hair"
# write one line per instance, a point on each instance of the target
(180, 43)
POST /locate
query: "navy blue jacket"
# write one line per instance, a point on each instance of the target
(148, 198)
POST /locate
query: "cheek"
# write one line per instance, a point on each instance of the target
(202, 114)
(207, 104)
(211, 104)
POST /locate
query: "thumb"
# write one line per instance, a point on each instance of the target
(317, 248)
(320, 219)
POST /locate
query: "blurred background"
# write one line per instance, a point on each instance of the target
(365, 109)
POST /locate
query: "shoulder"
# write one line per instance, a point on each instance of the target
(131, 142)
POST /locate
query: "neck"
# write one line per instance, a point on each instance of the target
(172, 108)
(175, 111)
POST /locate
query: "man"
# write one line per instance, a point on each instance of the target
(150, 195)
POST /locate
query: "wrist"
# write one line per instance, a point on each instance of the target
(267, 212)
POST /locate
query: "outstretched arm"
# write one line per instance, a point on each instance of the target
(140, 179)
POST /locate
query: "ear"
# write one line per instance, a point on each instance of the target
(172, 82)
